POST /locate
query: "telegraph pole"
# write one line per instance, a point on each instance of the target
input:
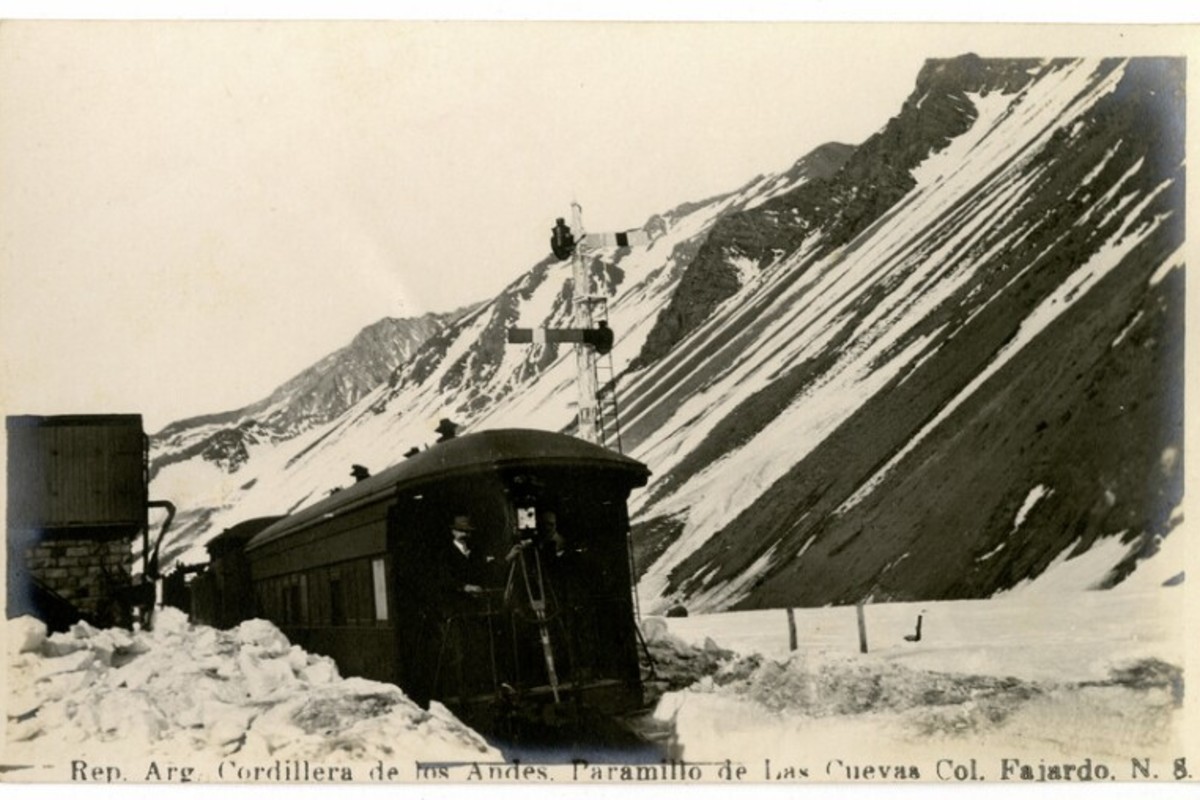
(585, 355)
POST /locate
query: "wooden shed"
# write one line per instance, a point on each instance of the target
(77, 495)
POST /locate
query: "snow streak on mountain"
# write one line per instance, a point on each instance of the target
(925, 367)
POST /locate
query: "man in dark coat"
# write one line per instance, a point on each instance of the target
(461, 578)
(465, 568)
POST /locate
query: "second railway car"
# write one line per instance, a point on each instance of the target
(530, 614)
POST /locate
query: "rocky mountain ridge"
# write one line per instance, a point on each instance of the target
(313, 397)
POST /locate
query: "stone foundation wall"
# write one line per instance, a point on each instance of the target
(87, 572)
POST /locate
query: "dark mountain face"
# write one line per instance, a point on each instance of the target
(1039, 407)
(763, 234)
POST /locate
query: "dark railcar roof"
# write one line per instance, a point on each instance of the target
(82, 420)
(472, 453)
(235, 538)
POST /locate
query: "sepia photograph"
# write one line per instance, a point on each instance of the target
(659, 403)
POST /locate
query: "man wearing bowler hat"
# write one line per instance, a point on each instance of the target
(465, 565)
(461, 646)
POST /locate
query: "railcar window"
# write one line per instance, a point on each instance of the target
(378, 579)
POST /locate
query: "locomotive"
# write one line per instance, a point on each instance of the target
(544, 633)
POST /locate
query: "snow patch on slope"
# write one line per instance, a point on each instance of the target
(1074, 572)
(1173, 261)
(1036, 495)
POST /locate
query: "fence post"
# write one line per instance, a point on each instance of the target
(791, 615)
(862, 628)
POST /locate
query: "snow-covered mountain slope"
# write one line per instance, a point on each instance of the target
(925, 367)
(988, 372)
(318, 394)
(463, 370)
(215, 447)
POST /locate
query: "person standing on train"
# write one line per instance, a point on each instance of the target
(461, 638)
(567, 574)
(465, 568)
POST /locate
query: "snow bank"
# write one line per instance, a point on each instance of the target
(678, 664)
(816, 704)
(183, 690)
(1088, 674)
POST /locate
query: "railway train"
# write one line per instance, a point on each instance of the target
(541, 630)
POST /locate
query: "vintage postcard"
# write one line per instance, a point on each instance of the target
(657, 404)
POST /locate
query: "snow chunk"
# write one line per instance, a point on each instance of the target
(358, 719)
(263, 637)
(654, 629)
(131, 715)
(265, 678)
(226, 723)
(170, 621)
(319, 670)
(25, 634)
(72, 662)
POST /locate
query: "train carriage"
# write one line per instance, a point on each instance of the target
(549, 629)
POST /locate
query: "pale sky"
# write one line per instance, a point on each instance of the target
(191, 213)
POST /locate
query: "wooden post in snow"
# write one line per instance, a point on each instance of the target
(792, 644)
(862, 627)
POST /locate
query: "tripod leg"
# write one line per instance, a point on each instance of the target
(539, 610)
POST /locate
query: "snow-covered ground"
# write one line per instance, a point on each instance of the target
(1053, 672)
(1047, 674)
(224, 703)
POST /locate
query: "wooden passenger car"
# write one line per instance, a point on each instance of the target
(222, 594)
(361, 576)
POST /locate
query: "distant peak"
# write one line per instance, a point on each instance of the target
(823, 161)
(971, 73)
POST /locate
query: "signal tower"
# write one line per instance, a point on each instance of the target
(598, 417)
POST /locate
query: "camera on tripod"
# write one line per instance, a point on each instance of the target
(527, 525)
